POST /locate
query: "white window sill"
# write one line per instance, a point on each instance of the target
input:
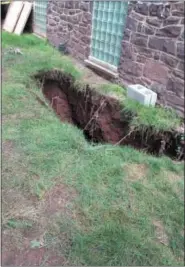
(102, 66)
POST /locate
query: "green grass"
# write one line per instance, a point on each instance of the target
(41, 57)
(120, 191)
(158, 118)
(113, 88)
(12, 223)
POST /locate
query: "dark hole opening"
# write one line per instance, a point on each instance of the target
(101, 118)
(4, 9)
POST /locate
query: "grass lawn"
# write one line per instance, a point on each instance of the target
(65, 200)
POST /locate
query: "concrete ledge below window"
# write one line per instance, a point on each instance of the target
(101, 66)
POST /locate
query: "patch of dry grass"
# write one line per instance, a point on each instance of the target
(160, 232)
(136, 171)
(58, 199)
(171, 176)
(25, 217)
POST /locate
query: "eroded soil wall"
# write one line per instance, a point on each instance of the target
(102, 118)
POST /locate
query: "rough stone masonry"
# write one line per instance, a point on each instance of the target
(153, 50)
(69, 22)
(152, 47)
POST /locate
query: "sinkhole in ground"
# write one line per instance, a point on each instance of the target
(101, 117)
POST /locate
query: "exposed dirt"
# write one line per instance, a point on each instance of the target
(4, 75)
(58, 199)
(32, 257)
(40, 214)
(101, 117)
(58, 101)
(16, 242)
(7, 147)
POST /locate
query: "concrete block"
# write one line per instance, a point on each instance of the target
(142, 94)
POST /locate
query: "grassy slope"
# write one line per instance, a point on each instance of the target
(116, 208)
(157, 117)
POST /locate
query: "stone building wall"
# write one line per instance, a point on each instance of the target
(152, 47)
(153, 50)
(70, 22)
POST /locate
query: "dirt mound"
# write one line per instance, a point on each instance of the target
(101, 117)
(32, 257)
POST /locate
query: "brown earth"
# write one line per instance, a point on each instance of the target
(16, 243)
(98, 117)
(101, 117)
(16, 249)
(32, 257)
(58, 101)
(58, 199)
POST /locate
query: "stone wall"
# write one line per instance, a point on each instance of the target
(70, 22)
(153, 50)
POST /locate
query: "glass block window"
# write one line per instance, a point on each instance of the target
(107, 30)
(40, 13)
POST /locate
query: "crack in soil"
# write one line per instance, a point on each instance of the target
(101, 117)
